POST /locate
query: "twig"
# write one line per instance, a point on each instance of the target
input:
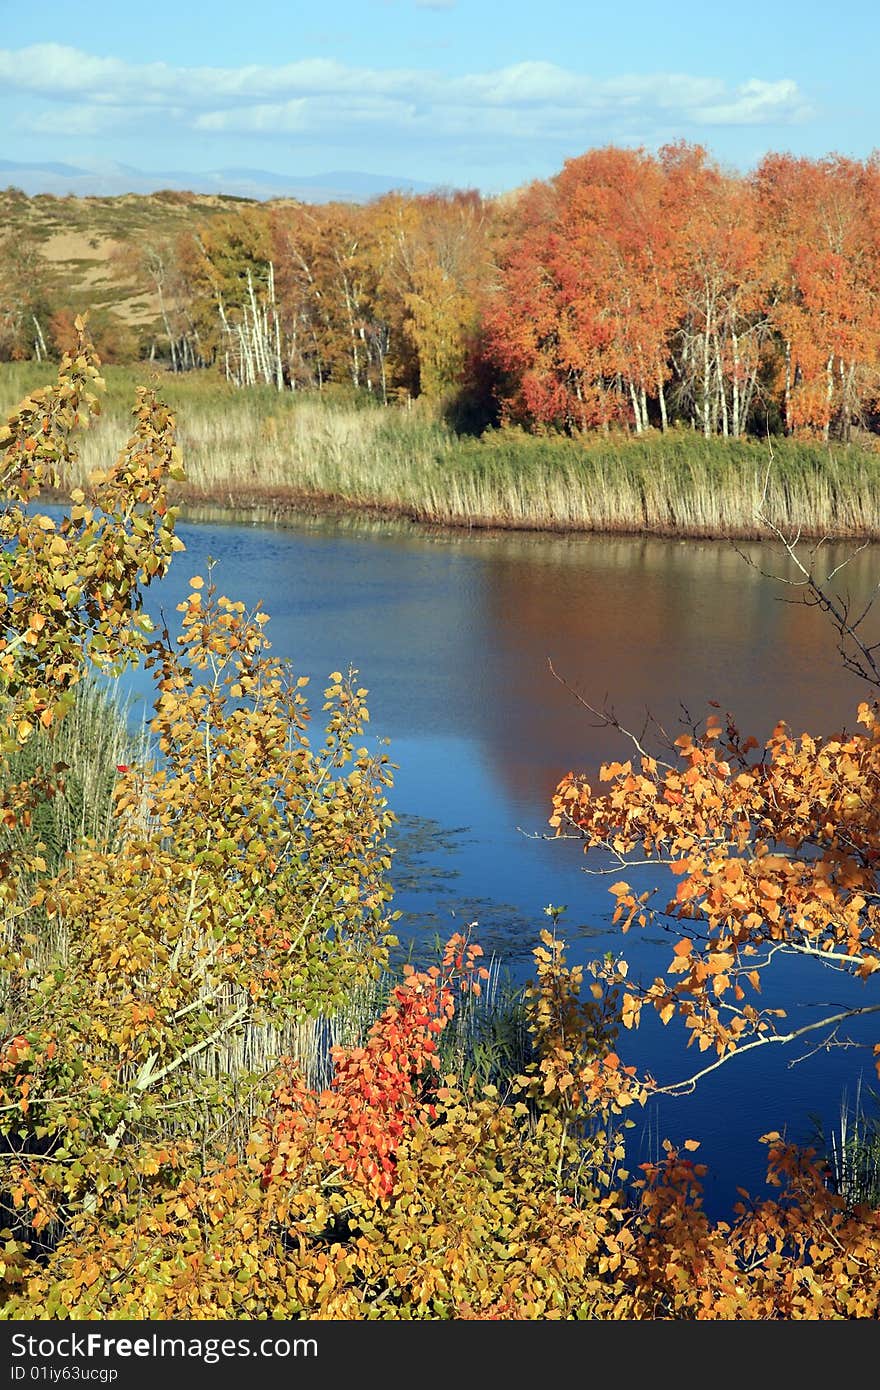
(608, 719)
(684, 1088)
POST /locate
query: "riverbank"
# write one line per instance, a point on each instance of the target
(273, 456)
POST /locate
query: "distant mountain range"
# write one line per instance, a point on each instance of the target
(109, 180)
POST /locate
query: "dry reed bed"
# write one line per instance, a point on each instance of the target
(275, 453)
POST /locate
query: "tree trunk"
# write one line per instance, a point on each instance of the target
(787, 401)
(39, 340)
(637, 412)
(722, 393)
(735, 423)
(829, 396)
(707, 374)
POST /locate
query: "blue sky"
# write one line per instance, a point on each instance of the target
(467, 93)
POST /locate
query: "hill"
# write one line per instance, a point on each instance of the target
(109, 179)
(82, 247)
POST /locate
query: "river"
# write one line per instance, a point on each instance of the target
(452, 634)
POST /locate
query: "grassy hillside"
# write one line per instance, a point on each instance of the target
(85, 246)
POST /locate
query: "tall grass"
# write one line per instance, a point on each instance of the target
(90, 741)
(278, 453)
(486, 1041)
(852, 1152)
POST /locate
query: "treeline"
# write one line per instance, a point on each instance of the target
(631, 291)
(387, 297)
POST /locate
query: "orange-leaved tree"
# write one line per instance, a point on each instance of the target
(775, 850)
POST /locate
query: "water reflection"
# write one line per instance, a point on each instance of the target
(648, 626)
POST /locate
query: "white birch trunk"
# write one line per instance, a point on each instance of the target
(735, 422)
(661, 396)
(787, 398)
(637, 413)
(829, 396)
(707, 376)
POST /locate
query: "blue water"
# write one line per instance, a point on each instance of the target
(452, 637)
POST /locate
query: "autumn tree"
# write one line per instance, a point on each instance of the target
(326, 276)
(639, 289)
(541, 378)
(774, 847)
(395, 1192)
(155, 264)
(71, 590)
(589, 298)
(721, 289)
(617, 238)
(244, 889)
(242, 892)
(435, 269)
(819, 222)
(230, 272)
(24, 299)
(770, 851)
(634, 278)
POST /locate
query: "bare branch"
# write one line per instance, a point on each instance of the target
(684, 1088)
(857, 655)
(608, 719)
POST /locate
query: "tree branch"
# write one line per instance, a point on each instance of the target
(686, 1087)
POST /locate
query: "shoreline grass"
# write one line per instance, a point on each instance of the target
(273, 455)
(852, 1150)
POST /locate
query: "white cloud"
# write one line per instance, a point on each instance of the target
(74, 120)
(278, 117)
(758, 103)
(303, 115)
(85, 94)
